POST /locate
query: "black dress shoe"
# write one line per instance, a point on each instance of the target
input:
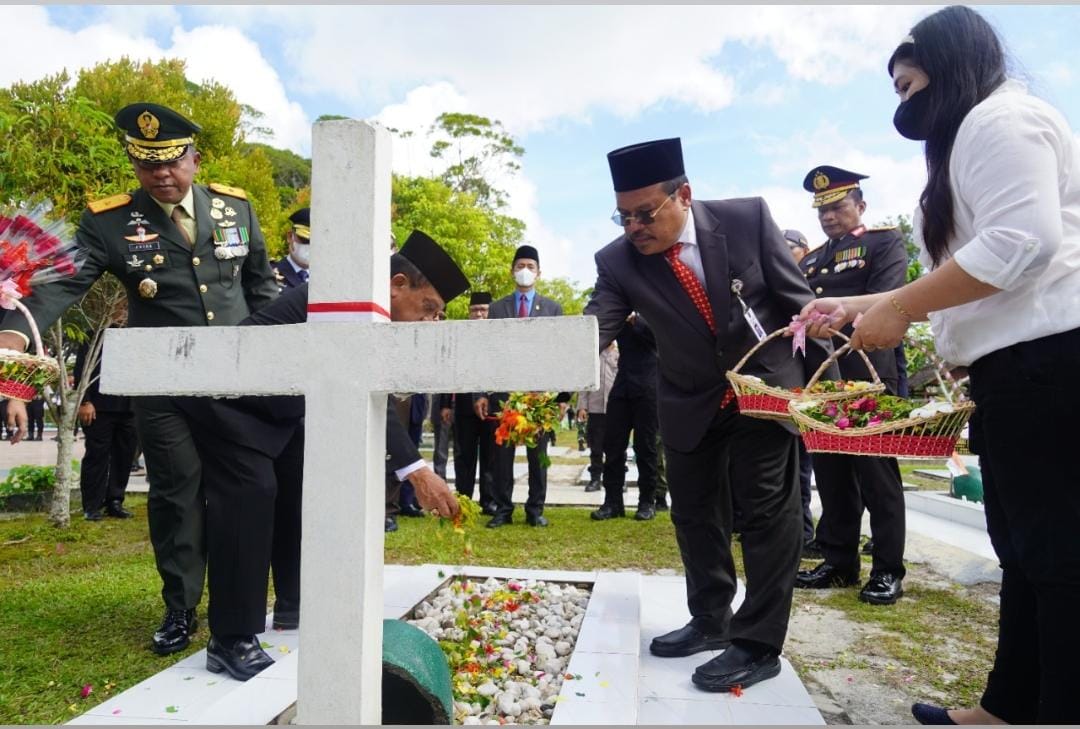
(286, 615)
(94, 515)
(811, 549)
(883, 588)
(825, 576)
(645, 513)
(498, 521)
(411, 510)
(175, 631)
(593, 486)
(536, 521)
(390, 525)
(868, 548)
(607, 512)
(737, 666)
(927, 714)
(241, 656)
(116, 510)
(488, 510)
(662, 505)
(686, 641)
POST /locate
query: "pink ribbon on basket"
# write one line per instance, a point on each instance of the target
(9, 293)
(797, 327)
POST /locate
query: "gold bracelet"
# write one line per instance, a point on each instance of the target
(900, 309)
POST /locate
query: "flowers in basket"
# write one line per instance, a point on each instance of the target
(830, 387)
(525, 417)
(870, 411)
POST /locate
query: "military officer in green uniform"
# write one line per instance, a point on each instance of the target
(188, 255)
(856, 260)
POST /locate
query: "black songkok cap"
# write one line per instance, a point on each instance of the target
(641, 165)
(155, 133)
(527, 252)
(301, 221)
(479, 297)
(436, 265)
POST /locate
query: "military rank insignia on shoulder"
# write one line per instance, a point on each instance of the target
(881, 229)
(226, 190)
(109, 203)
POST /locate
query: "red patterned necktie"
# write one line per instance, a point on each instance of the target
(523, 309)
(691, 285)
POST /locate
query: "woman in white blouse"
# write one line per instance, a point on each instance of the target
(998, 224)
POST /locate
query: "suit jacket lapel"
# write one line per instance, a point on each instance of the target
(658, 271)
(714, 260)
(161, 224)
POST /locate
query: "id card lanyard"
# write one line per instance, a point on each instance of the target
(747, 312)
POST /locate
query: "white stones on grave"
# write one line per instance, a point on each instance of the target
(345, 364)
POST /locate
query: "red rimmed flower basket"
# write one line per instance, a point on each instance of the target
(24, 375)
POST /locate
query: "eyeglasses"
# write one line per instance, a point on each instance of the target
(647, 217)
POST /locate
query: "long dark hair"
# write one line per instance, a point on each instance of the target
(964, 59)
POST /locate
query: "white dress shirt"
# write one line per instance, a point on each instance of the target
(690, 254)
(1015, 178)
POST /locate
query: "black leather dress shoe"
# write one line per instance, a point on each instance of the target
(812, 550)
(883, 588)
(593, 486)
(241, 656)
(390, 525)
(175, 631)
(645, 513)
(286, 615)
(662, 505)
(498, 521)
(116, 510)
(607, 511)
(686, 641)
(94, 515)
(737, 666)
(824, 576)
(928, 714)
(411, 510)
(536, 521)
(488, 510)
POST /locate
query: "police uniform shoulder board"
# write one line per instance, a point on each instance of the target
(109, 203)
(226, 190)
(881, 229)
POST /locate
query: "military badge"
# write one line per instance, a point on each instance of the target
(230, 212)
(135, 261)
(226, 223)
(159, 259)
(148, 288)
(148, 125)
(862, 263)
(141, 236)
(217, 202)
(216, 214)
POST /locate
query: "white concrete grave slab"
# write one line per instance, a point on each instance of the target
(345, 359)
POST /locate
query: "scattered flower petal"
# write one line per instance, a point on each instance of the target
(171, 709)
(115, 711)
(736, 690)
(87, 689)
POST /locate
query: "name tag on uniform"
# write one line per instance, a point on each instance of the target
(747, 312)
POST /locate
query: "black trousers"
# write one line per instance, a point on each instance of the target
(240, 488)
(473, 438)
(626, 414)
(106, 464)
(752, 465)
(285, 553)
(176, 508)
(442, 434)
(595, 427)
(844, 484)
(502, 493)
(806, 468)
(35, 414)
(1024, 431)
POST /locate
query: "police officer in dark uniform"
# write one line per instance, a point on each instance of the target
(856, 260)
(188, 255)
(292, 270)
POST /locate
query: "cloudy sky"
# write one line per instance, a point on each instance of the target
(759, 95)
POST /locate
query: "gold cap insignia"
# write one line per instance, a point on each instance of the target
(149, 125)
(821, 181)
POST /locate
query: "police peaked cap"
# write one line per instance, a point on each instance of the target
(641, 165)
(154, 133)
(830, 184)
(435, 264)
(301, 221)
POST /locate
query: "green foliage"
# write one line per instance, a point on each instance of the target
(292, 173)
(475, 148)
(28, 480)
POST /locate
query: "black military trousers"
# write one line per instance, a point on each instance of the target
(474, 440)
(240, 488)
(626, 414)
(502, 493)
(285, 554)
(106, 465)
(175, 503)
(844, 484)
(595, 428)
(753, 465)
(1024, 431)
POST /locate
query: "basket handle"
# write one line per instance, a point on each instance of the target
(756, 347)
(33, 325)
(836, 355)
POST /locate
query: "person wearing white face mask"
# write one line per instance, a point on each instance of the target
(292, 270)
(523, 303)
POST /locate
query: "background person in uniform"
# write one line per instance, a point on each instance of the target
(292, 270)
(188, 255)
(524, 302)
(109, 424)
(632, 407)
(592, 409)
(856, 261)
(675, 264)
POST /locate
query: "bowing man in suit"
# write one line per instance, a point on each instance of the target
(292, 270)
(524, 302)
(712, 277)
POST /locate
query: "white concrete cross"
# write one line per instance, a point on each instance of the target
(345, 359)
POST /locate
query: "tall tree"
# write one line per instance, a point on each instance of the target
(478, 153)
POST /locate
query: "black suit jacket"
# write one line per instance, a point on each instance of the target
(738, 239)
(504, 309)
(287, 276)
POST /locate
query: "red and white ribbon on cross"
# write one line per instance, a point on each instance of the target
(347, 311)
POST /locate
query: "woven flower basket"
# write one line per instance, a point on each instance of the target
(760, 400)
(24, 375)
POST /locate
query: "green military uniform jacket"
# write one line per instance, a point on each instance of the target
(220, 279)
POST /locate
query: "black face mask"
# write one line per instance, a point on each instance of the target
(912, 119)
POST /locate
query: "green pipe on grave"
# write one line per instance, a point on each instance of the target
(416, 685)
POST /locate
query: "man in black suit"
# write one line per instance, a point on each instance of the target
(856, 260)
(292, 270)
(712, 278)
(524, 302)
